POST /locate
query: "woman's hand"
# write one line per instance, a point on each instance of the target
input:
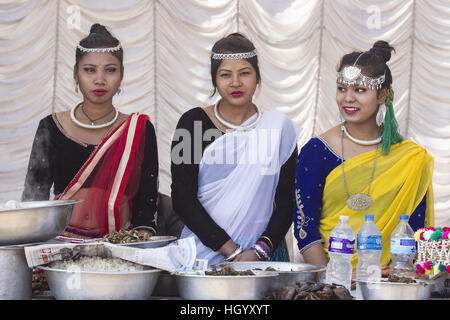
(228, 248)
(248, 255)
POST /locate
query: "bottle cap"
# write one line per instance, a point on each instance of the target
(369, 217)
(404, 217)
(343, 218)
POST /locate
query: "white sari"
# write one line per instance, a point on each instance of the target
(238, 177)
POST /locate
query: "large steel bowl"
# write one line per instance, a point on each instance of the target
(204, 287)
(384, 290)
(89, 285)
(288, 273)
(35, 221)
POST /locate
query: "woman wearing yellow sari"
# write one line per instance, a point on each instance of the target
(363, 165)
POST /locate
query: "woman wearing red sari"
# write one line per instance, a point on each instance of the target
(96, 153)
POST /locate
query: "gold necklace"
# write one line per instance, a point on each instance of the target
(358, 201)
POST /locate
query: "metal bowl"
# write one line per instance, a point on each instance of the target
(288, 273)
(203, 287)
(154, 242)
(35, 221)
(166, 286)
(384, 290)
(89, 285)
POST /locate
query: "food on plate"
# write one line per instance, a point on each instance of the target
(97, 264)
(228, 271)
(311, 291)
(126, 236)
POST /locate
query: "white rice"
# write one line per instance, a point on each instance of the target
(97, 264)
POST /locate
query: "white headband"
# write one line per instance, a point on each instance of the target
(241, 55)
(83, 49)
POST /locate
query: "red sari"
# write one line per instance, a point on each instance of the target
(107, 183)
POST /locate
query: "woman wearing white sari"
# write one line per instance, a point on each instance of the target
(233, 165)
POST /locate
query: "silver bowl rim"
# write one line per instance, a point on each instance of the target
(319, 267)
(154, 239)
(418, 282)
(189, 275)
(99, 272)
(50, 203)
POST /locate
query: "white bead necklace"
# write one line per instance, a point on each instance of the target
(233, 126)
(92, 125)
(362, 142)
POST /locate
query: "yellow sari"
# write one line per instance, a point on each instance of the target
(400, 182)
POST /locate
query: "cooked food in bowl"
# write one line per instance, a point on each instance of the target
(95, 278)
(126, 236)
(311, 291)
(97, 264)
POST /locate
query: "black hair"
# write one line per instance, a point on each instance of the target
(372, 62)
(99, 37)
(233, 43)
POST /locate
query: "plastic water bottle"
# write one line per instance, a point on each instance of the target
(403, 249)
(368, 243)
(341, 248)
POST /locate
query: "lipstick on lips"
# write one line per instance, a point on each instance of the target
(350, 110)
(99, 92)
(237, 93)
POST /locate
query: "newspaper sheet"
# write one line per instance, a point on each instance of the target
(178, 256)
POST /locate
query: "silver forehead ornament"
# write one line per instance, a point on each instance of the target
(352, 75)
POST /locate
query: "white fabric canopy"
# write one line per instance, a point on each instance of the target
(167, 45)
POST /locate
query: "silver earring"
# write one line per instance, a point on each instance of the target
(341, 118)
(76, 87)
(380, 114)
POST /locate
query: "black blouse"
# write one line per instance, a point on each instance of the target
(55, 159)
(185, 185)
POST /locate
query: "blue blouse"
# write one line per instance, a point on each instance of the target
(315, 161)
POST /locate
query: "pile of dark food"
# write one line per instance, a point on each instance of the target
(394, 278)
(228, 271)
(311, 291)
(126, 236)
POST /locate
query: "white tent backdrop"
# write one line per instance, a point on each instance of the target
(167, 45)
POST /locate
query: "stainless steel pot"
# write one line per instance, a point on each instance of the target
(289, 273)
(90, 285)
(15, 276)
(203, 287)
(34, 221)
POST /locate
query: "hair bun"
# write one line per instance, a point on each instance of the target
(98, 29)
(382, 49)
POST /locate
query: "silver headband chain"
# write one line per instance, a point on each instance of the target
(113, 49)
(240, 55)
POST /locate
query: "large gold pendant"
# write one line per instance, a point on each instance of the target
(359, 201)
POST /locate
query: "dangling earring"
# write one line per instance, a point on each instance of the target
(341, 118)
(380, 114)
(76, 87)
(119, 91)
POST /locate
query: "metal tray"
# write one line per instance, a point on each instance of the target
(154, 242)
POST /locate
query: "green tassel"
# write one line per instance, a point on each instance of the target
(390, 132)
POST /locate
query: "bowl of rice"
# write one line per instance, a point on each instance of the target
(96, 278)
